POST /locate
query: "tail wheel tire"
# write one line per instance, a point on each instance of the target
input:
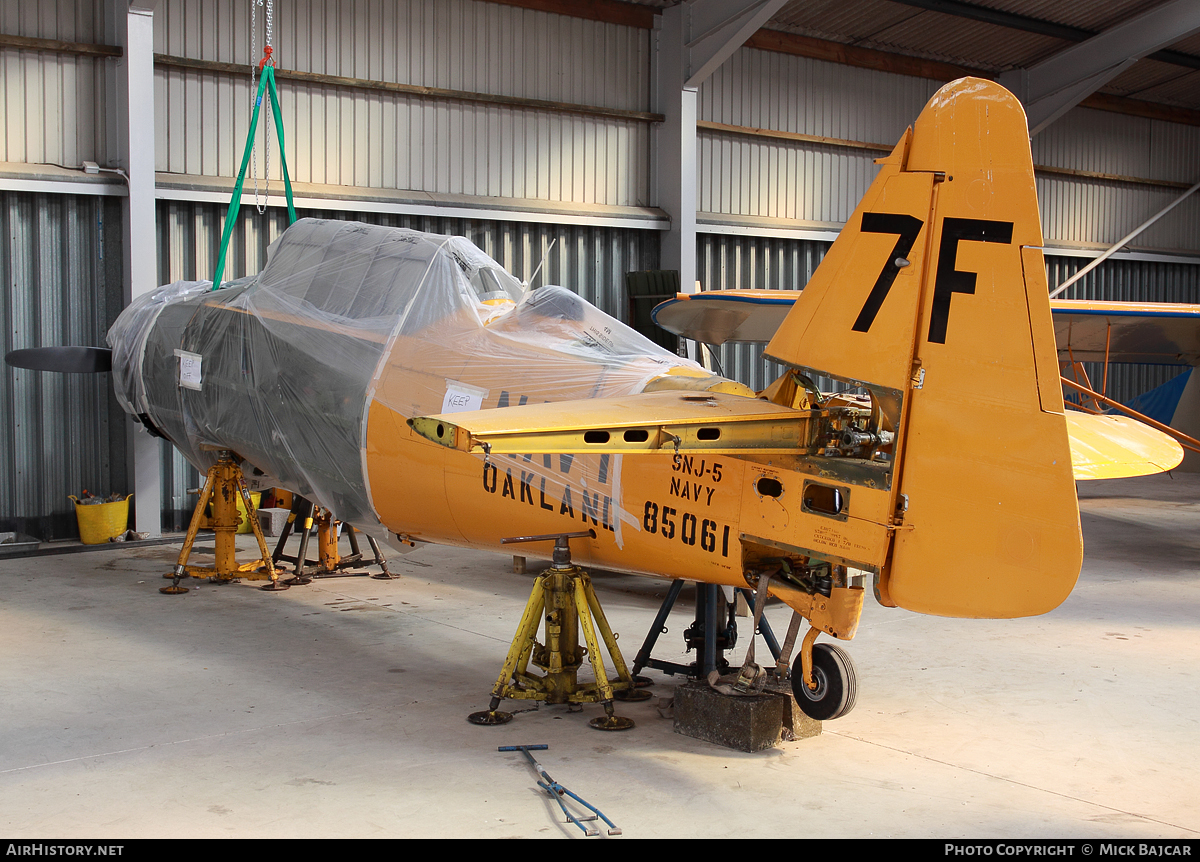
(837, 688)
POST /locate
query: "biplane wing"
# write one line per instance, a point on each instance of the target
(1164, 333)
(720, 316)
(1085, 330)
(1102, 447)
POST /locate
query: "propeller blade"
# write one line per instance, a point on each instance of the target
(67, 360)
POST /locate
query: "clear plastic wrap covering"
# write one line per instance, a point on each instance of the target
(128, 335)
(282, 367)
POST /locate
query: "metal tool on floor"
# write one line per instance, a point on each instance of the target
(224, 487)
(556, 792)
(562, 596)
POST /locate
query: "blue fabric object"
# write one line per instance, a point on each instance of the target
(1160, 403)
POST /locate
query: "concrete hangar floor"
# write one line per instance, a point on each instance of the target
(339, 709)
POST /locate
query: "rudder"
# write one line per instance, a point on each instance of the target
(937, 288)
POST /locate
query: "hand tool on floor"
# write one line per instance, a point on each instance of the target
(556, 791)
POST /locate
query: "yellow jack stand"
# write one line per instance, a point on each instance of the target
(223, 486)
(563, 595)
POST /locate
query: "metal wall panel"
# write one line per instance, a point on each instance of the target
(1126, 280)
(592, 261)
(785, 179)
(725, 262)
(53, 109)
(370, 139)
(60, 262)
(52, 103)
(771, 178)
(1081, 210)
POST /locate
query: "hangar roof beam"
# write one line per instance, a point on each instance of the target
(714, 29)
(1055, 85)
(1028, 24)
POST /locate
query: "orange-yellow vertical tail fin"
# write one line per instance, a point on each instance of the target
(936, 290)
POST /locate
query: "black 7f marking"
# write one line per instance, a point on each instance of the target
(950, 280)
(907, 227)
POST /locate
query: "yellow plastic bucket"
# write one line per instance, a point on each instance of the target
(244, 526)
(255, 499)
(99, 522)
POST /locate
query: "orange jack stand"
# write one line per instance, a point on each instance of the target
(223, 486)
(330, 562)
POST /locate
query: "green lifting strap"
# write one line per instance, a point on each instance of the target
(266, 82)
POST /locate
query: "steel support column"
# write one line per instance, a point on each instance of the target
(691, 41)
(134, 26)
(675, 146)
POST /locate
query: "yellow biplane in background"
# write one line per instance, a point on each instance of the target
(410, 385)
(1109, 447)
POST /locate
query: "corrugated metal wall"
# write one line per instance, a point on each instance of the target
(772, 178)
(1127, 280)
(726, 262)
(1083, 210)
(52, 103)
(785, 179)
(592, 261)
(371, 139)
(368, 139)
(60, 259)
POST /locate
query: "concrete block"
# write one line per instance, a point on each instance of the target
(746, 723)
(272, 521)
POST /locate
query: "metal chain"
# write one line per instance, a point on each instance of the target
(270, 4)
(269, 118)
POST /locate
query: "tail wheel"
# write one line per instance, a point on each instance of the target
(837, 689)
